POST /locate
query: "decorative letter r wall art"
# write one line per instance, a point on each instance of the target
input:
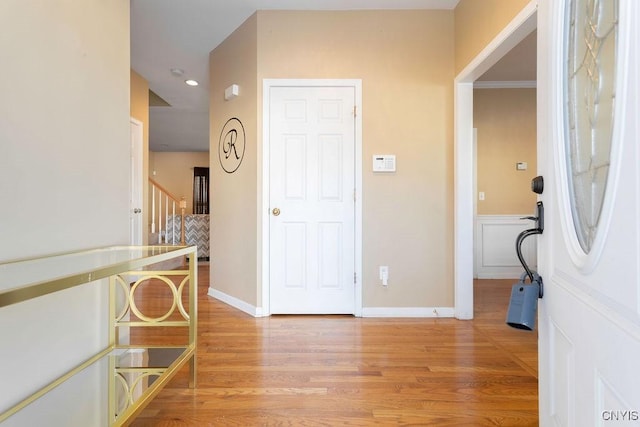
(231, 146)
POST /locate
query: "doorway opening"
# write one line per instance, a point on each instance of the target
(505, 147)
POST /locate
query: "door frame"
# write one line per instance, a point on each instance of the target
(136, 144)
(267, 84)
(521, 26)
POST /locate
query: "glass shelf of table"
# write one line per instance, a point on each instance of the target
(110, 389)
(116, 383)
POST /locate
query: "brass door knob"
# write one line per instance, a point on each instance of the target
(275, 211)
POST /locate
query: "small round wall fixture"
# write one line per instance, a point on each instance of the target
(231, 145)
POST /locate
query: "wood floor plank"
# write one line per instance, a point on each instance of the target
(346, 371)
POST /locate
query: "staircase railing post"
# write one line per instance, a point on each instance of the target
(183, 206)
(157, 222)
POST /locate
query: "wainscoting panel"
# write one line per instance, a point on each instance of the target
(495, 247)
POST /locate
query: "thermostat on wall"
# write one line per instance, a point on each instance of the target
(384, 163)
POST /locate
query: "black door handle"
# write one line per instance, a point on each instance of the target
(530, 232)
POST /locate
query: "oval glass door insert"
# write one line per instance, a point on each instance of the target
(589, 109)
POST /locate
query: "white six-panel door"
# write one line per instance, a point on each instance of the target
(311, 199)
(589, 318)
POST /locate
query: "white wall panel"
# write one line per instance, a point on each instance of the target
(495, 255)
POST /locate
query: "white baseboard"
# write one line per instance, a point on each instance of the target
(366, 311)
(407, 312)
(236, 303)
(510, 273)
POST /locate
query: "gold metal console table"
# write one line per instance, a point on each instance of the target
(123, 377)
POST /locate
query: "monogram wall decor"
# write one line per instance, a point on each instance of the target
(231, 146)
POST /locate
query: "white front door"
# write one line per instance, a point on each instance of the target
(589, 254)
(311, 199)
(135, 187)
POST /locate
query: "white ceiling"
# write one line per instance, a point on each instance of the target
(169, 34)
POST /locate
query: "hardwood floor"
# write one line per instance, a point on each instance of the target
(341, 370)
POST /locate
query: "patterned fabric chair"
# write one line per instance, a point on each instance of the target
(196, 232)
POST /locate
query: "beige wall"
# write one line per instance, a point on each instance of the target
(140, 111)
(140, 102)
(234, 197)
(174, 171)
(64, 145)
(506, 123)
(64, 135)
(406, 62)
(477, 22)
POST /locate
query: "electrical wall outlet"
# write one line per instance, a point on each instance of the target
(384, 275)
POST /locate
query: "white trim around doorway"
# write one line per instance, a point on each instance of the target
(521, 26)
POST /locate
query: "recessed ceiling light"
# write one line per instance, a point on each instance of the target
(177, 72)
(191, 82)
